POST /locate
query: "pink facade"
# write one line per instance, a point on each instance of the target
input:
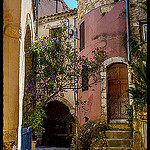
(105, 32)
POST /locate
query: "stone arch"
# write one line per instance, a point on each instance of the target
(59, 125)
(29, 25)
(67, 103)
(106, 64)
(28, 57)
(27, 44)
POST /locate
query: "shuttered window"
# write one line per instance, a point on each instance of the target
(85, 78)
(82, 36)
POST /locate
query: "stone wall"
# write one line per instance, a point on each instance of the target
(139, 131)
(137, 18)
(136, 15)
(85, 6)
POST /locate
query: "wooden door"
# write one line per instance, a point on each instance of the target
(117, 98)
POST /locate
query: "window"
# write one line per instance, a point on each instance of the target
(85, 78)
(54, 33)
(82, 36)
(145, 32)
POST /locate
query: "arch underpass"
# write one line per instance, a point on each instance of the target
(59, 125)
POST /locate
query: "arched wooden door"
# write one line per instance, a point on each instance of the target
(116, 97)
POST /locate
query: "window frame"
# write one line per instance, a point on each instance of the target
(85, 86)
(82, 36)
(144, 33)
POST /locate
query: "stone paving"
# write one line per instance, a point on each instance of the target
(50, 148)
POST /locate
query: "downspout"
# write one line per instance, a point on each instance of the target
(76, 96)
(128, 29)
(37, 19)
(56, 6)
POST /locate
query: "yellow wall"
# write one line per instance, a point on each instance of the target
(11, 49)
(138, 130)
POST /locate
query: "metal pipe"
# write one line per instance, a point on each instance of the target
(128, 29)
(76, 107)
(37, 19)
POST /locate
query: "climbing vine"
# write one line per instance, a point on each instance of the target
(56, 68)
(92, 134)
(138, 51)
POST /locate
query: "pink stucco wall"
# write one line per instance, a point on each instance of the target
(105, 32)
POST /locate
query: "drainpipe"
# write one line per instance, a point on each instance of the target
(128, 29)
(76, 96)
(37, 19)
(56, 6)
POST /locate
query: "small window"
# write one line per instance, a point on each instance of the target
(82, 36)
(145, 32)
(53, 33)
(85, 78)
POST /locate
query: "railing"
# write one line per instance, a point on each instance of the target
(26, 138)
(117, 107)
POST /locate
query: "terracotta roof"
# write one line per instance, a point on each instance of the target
(58, 15)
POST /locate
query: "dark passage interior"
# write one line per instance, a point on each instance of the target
(59, 125)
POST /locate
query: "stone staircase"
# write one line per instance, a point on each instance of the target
(117, 137)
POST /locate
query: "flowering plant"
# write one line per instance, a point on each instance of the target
(57, 67)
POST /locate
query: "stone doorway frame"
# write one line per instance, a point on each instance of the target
(103, 86)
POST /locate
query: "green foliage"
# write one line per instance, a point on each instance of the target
(139, 93)
(103, 13)
(138, 51)
(34, 118)
(144, 6)
(91, 135)
(56, 68)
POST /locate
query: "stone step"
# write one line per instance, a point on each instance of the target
(112, 148)
(123, 127)
(118, 134)
(118, 142)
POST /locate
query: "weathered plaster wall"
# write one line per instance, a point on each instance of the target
(27, 21)
(86, 6)
(11, 45)
(105, 32)
(47, 7)
(17, 14)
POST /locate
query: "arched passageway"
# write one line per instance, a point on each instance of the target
(59, 125)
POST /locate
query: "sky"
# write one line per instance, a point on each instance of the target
(71, 3)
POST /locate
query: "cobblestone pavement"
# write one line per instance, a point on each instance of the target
(50, 148)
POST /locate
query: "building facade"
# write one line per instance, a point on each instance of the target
(61, 112)
(18, 23)
(104, 26)
(138, 26)
(47, 7)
